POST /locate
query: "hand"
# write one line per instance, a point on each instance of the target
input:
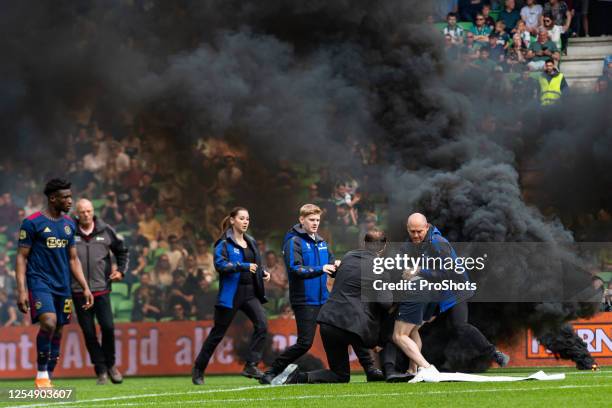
(329, 269)
(89, 299)
(410, 273)
(252, 268)
(22, 302)
(266, 276)
(116, 276)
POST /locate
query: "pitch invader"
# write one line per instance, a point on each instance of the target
(46, 257)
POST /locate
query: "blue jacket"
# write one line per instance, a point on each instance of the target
(229, 262)
(304, 258)
(436, 246)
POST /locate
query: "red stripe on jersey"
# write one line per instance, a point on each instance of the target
(35, 215)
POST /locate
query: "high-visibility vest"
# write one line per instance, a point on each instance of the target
(550, 92)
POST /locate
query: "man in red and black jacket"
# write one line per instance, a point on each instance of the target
(96, 241)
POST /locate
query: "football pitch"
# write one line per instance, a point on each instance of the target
(580, 388)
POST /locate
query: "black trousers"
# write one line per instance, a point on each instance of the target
(102, 354)
(246, 301)
(306, 322)
(459, 321)
(336, 342)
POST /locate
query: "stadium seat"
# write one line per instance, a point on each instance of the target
(120, 288)
(466, 25)
(134, 288)
(3, 239)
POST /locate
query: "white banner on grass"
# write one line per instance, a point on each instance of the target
(443, 377)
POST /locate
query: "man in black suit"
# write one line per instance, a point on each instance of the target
(345, 320)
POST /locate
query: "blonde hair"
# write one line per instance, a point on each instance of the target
(309, 209)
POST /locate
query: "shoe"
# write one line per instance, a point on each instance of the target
(267, 377)
(429, 374)
(374, 375)
(42, 383)
(250, 370)
(102, 379)
(501, 358)
(115, 375)
(283, 378)
(398, 377)
(197, 376)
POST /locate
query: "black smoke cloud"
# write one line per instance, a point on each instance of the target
(296, 78)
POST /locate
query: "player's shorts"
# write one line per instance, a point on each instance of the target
(416, 312)
(46, 302)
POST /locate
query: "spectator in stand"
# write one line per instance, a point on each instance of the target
(526, 89)
(118, 162)
(34, 204)
(134, 207)
(149, 227)
(525, 35)
(204, 301)
(205, 260)
(468, 9)
(553, 85)
(162, 273)
(496, 50)
(541, 51)
(149, 193)
(515, 55)
(531, 15)
(7, 279)
(147, 300)
(178, 312)
(8, 212)
(554, 31)
(170, 195)
(510, 15)
(230, 174)
(486, 12)
(110, 210)
(471, 47)
(176, 253)
(94, 162)
(8, 310)
(453, 30)
(179, 292)
(172, 224)
(584, 14)
(132, 177)
(278, 287)
(484, 62)
(503, 38)
(562, 16)
(607, 307)
(442, 8)
(481, 31)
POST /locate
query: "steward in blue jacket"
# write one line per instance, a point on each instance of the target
(229, 263)
(304, 258)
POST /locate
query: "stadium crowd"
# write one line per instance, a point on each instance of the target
(170, 219)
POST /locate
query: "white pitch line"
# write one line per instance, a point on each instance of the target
(333, 396)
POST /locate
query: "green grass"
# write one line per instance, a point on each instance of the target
(579, 388)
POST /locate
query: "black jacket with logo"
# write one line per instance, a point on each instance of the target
(95, 252)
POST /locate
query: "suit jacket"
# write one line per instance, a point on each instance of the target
(345, 309)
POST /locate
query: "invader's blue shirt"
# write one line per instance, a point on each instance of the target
(48, 267)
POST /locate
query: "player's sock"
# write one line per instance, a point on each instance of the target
(42, 375)
(43, 349)
(56, 342)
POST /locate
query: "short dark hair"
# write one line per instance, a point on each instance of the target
(552, 61)
(55, 185)
(375, 240)
(451, 14)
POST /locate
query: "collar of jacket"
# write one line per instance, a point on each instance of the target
(229, 236)
(99, 226)
(298, 230)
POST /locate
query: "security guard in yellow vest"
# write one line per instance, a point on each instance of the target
(552, 84)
